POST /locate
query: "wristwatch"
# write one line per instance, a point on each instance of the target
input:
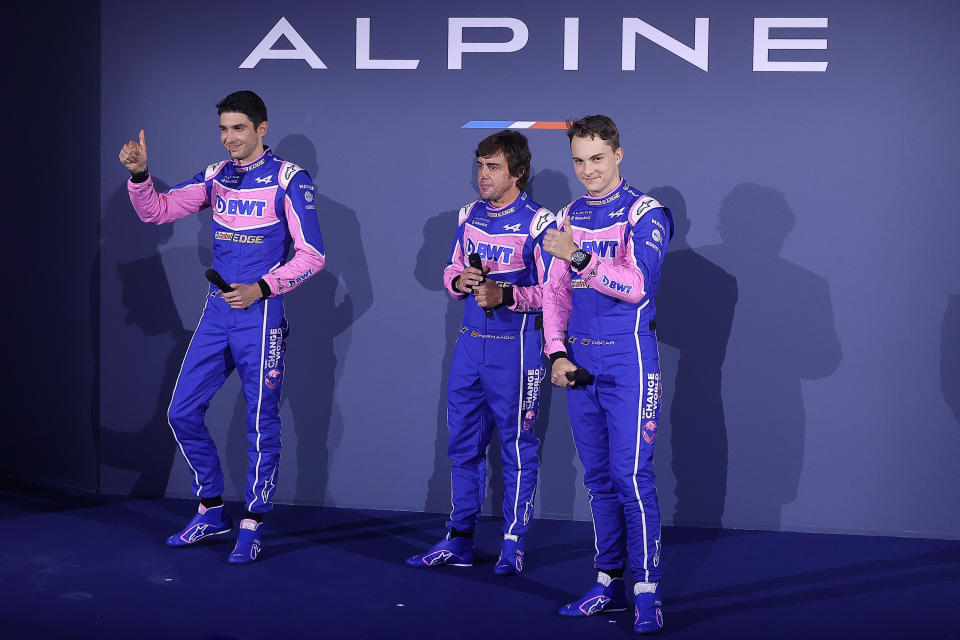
(580, 259)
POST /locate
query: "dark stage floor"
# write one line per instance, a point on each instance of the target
(80, 566)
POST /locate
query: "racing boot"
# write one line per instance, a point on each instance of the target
(510, 562)
(648, 616)
(248, 542)
(607, 595)
(452, 550)
(209, 522)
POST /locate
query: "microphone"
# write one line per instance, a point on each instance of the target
(476, 263)
(217, 280)
(580, 378)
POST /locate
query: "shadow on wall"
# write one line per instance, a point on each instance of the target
(950, 355)
(438, 235)
(320, 313)
(783, 332)
(136, 458)
(695, 307)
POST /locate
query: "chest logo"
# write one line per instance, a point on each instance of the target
(264, 179)
(602, 248)
(490, 252)
(240, 207)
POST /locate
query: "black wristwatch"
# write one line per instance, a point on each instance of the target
(580, 259)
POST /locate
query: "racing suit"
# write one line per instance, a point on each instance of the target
(497, 369)
(259, 210)
(602, 317)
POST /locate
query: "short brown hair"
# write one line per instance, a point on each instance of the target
(599, 126)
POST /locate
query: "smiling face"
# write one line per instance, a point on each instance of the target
(242, 140)
(496, 185)
(596, 163)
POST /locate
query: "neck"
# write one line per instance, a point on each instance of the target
(253, 156)
(610, 187)
(505, 199)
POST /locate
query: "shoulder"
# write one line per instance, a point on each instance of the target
(642, 206)
(288, 171)
(465, 212)
(213, 170)
(541, 219)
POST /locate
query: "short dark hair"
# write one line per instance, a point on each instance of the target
(246, 102)
(599, 126)
(514, 146)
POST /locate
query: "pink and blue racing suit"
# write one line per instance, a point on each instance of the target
(497, 368)
(602, 318)
(260, 209)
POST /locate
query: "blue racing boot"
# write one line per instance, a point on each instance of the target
(648, 616)
(453, 551)
(248, 542)
(209, 522)
(510, 562)
(607, 595)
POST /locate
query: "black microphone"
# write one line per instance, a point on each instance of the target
(476, 263)
(580, 378)
(217, 280)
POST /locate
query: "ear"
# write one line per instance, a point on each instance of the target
(618, 154)
(262, 129)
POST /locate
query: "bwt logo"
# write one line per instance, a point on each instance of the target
(603, 248)
(490, 251)
(240, 207)
(616, 286)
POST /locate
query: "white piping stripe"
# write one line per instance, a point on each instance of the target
(636, 457)
(263, 344)
(516, 442)
(196, 476)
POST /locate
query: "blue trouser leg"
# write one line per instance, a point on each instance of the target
(258, 345)
(591, 437)
(511, 376)
(630, 395)
(470, 425)
(205, 368)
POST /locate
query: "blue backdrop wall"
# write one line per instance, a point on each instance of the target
(810, 304)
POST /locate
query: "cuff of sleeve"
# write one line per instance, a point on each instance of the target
(508, 300)
(453, 286)
(140, 176)
(556, 355)
(264, 289)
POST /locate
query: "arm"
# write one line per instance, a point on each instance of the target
(646, 240)
(557, 298)
(182, 200)
(530, 298)
(302, 223)
(458, 279)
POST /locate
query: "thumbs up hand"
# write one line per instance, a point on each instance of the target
(133, 155)
(560, 243)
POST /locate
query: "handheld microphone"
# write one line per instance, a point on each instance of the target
(217, 280)
(476, 263)
(580, 378)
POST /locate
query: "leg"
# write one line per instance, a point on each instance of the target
(470, 430)
(258, 344)
(205, 368)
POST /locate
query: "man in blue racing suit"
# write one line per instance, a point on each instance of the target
(599, 314)
(261, 206)
(497, 367)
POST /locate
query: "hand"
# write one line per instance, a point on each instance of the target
(488, 294)
(560, 243)
(558, 372)
(243, 295)
(133, 155)
(470, 278)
